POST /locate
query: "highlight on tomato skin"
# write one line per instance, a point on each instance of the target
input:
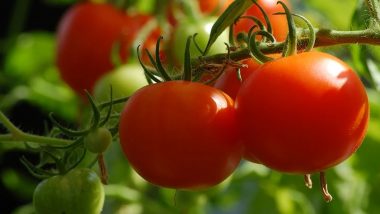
(181, 135)
(302, 117)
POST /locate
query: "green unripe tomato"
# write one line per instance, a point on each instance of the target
(202, 27)
(125, 80)
(97, 141)
(78, 191)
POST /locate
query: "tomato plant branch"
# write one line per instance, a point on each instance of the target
(374, 9)
(18, 135)
(324, 37)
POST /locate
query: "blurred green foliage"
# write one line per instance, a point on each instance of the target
(29, 73)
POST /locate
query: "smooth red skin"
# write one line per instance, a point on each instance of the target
(303, 113)
(208, 6)
(229, 82)
(278, 22)
(86, 35)
(181, 135)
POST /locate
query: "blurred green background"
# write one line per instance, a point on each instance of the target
(30, 88)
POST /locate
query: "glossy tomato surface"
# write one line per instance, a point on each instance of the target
(181, 135)
(303, 113)
(278, 22)
(86, 36)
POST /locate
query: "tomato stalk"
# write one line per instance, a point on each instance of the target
(308, 181)
(324, 38)
(325, 192)
(17, 135)
(374, 11)
(103, 169)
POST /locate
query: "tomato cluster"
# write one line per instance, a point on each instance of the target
(297, 114)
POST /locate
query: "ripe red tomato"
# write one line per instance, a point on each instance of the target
(229, 82)
(208, 6)
(278, 22)
(180, 134)
(302, 113)
(86, 35)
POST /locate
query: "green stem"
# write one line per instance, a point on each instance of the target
(374, 9)
(324, 38)
(17, 135)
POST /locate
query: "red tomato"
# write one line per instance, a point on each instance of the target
(229, 82)
(86, 35)
(302, 113)
(278, 22)
(180, 134)
(208, 6)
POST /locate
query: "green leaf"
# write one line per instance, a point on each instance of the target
(236, 9)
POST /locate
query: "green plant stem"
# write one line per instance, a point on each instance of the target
(374, 9)
(18, 135)
(324, 38)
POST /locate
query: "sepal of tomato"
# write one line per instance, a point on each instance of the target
(303, 113)
(78, 191)
(207, 7)
(202, 27)
(278, 22)
(180, 134)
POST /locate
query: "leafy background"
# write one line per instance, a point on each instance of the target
(30, 88)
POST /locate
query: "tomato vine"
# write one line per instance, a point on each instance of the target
(259, 45)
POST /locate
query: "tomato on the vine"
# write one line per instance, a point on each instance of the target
(229, 81)
(78, 191)
(278, 22)
(86, 35)
(180, 134)
(98, 140)
(303, 113)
